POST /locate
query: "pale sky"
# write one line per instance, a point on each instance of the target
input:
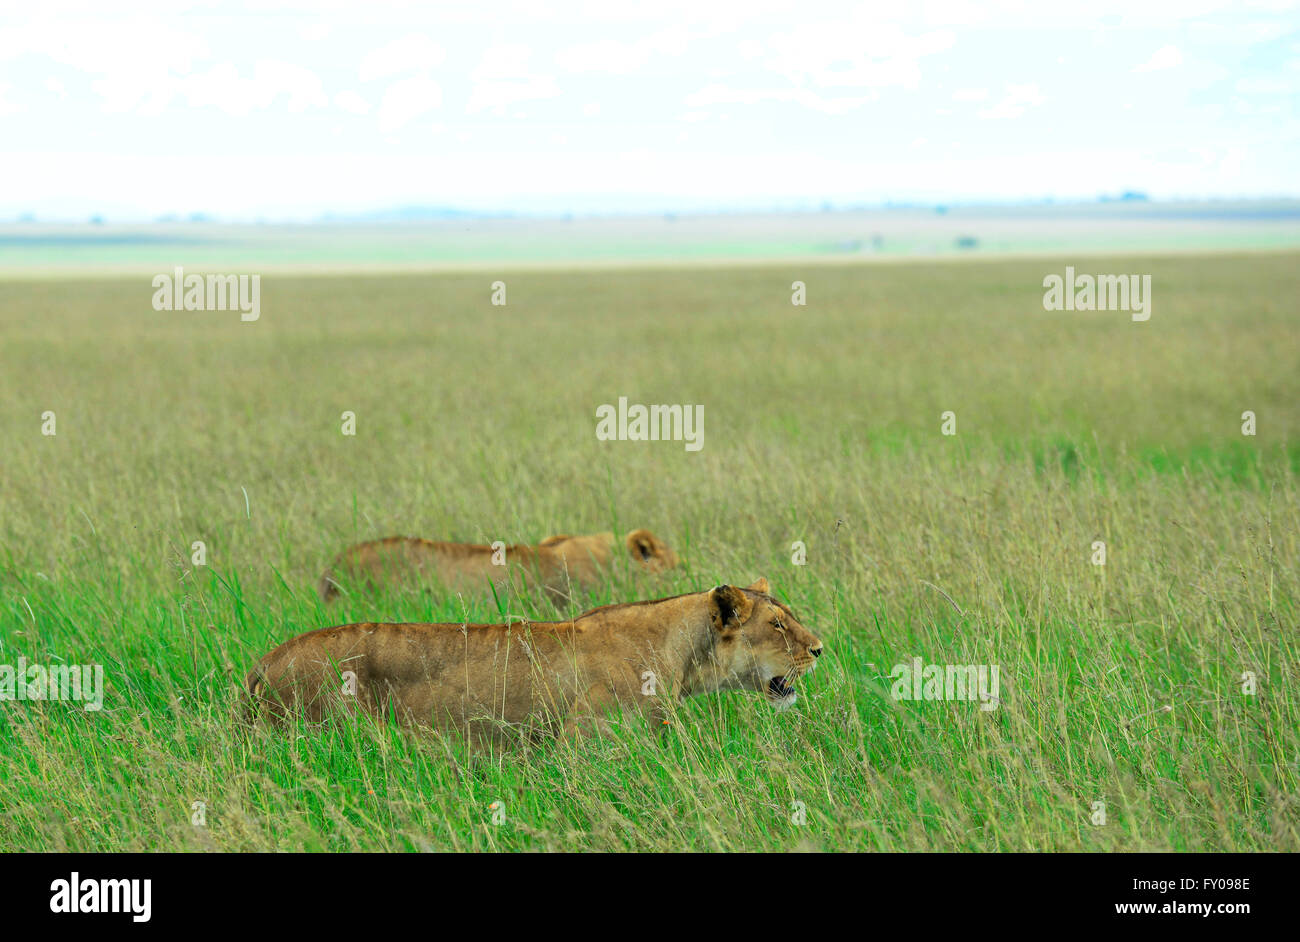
(287, 110)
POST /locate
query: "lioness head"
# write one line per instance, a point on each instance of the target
(760, 645)
(650, 551)
(644, 548)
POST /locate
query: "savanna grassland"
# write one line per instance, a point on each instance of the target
(1121, 683)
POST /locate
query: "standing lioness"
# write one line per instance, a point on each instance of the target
(492, 679)
(557, 563)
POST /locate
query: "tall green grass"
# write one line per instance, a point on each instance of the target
(1120, 683)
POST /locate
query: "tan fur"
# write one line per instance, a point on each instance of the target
(557, 564)
(497, 681)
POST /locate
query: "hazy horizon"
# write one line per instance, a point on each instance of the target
(436, 240)
(416, 213)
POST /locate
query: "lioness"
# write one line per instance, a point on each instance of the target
(557, 563)
(495, 681)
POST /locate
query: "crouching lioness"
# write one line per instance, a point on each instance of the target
(495, 681)
(557, 563)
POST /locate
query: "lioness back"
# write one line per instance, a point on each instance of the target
(557, 564)
(408, 560)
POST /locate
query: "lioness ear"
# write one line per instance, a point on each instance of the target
(762, 586)
(552, 540)
(641, 544)
(729, 607)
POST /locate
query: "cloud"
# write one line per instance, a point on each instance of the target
(1166, 57)
(143, 66)
(105, 47)
(406, 99)
(1265, 86)
(223, 87)
(1224, 162)
(351, 102)
(724, 95)
(136, 61)
(414, 52)
(854, 54)
(609, 55)
(970, 94)
(1230, 166)
(1015, 101)
(7, 107)
(503, 78)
